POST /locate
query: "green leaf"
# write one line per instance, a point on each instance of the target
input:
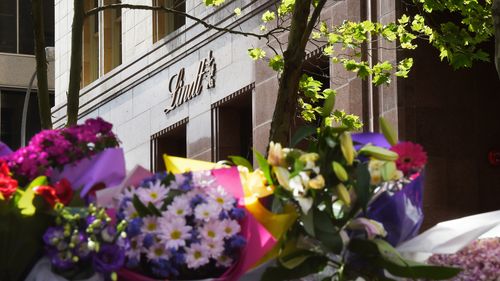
(264, 166)
(362, 185)
(308, 222)
(278, 273)
(293, 257)
(25, 203)
(152, 208)
(277, 63)
(240, 161)
(302, 133)
(268, 16)
(381, 253)
(141, 209)
(326, 232)
(256, 53)
(237, 11)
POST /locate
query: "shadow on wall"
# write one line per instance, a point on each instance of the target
(455, 115)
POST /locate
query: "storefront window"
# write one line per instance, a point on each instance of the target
(171, 141)
(165, 23)
(232, 126)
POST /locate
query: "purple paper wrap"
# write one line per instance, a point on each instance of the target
(400, 212)
(4, 149)
(373, 138)
(107, 167)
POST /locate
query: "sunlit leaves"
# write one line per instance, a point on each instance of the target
(404, 67)
(256, 53)
(268, 16)
(277, 63)
(237, 12)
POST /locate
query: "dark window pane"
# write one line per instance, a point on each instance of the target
(172, 143)
(12, 104)
(11, 116)
(26, 34)
(8, 26)
(48, 17)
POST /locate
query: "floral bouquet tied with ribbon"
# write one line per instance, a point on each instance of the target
(181, 227)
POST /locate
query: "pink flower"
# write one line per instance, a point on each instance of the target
(412, 157)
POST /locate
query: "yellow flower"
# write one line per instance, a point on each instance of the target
(256, 184)
(317, 183)
(276, 155)
(283, 176)
(309, 157)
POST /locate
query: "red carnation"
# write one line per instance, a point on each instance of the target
(64, 192)
(48, 193)
(8, 186)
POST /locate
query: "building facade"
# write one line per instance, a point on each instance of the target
(17, 66)
(170, 85)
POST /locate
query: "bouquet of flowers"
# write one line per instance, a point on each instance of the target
(332, 186)
(397, 201)
(181, 227)
(84, 242)
(53, 149)
(32, 182)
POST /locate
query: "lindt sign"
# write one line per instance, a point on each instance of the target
(182, 92)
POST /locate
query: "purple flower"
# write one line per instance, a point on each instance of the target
(148, 240)
(110, 258)
(52, 235)
(237, 241)
(197, 199)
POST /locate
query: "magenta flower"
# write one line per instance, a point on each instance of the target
(412, 157)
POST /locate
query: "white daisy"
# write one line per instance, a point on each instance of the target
(130, 211)
(150, 225)
(221, 197)
(215, 247)
(126, 193)
(174, 231)
(155, 194)
(203, 179)
(206, 211)
(230, 227)
(158, 251)
(180, 207)
(212, 231)
(197, 255)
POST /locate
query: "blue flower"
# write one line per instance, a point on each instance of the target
(134, 227)
(148, 240)
(197, 199)
(237, 214)
(163, 269)
(237, 241)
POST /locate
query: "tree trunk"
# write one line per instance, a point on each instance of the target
(41, 65)
(496, 21)
(286, 104)
(75, 73)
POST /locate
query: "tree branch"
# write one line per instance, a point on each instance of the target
(174, 11)
(41, 65)
(76, 63)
